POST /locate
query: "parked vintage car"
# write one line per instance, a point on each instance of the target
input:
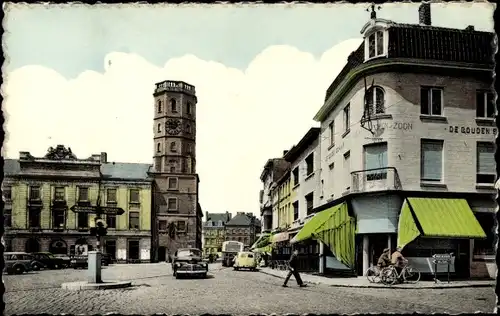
(188, 261)
(17, 262)
(66, 259)
(49, 260)
(245, 260)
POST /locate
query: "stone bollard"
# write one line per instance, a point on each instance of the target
(94, 267)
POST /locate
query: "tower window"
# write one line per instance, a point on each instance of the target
(189, 105)
(158, 147)
(159, 128)
(173, 105)
(159, 106)
(173, 146)
(188, 129)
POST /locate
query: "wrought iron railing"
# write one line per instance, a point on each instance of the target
(378, 179)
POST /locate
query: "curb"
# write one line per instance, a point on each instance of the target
(83, 285)
(381, 286)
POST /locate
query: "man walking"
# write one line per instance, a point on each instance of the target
(292, 266)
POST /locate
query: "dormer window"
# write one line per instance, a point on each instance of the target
(376, 44)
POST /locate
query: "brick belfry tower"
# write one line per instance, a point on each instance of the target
(176, 222)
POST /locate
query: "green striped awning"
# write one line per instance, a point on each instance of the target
(262, 241)
(437, 217)
(314, 223)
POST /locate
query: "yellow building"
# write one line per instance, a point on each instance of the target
(39, 194)
(285, 212)
(214, 232)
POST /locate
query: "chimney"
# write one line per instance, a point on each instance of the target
(104, 157)
(206, 216)
(470, 28)
(285, 152)
(424, 13)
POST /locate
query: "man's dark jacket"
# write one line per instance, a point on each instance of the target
(293, 262)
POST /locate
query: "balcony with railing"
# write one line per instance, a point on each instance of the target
(372, 180)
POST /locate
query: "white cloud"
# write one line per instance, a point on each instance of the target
(243, 118)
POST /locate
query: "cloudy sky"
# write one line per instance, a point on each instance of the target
(84, 76)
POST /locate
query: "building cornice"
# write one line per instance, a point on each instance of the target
(393, 65)
(303, 144)
(403, 194)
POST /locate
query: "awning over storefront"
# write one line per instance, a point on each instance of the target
(279, 237)
(262, 241)
(446, 218)
(335, 228)
(266, 249)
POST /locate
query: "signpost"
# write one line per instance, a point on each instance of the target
(443, 258)
(94, 257)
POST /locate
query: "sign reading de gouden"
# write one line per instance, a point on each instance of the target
(468, 130)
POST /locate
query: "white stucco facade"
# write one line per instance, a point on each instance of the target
(403, 129)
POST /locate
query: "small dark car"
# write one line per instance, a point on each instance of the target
(49, 260)
(189, 262)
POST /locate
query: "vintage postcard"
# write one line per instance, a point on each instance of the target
(249, 158)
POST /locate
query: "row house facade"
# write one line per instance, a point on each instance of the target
(39, 192)
(273, 170)
(243, 227)
(214, 232)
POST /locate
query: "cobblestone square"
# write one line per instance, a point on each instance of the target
(155, 290)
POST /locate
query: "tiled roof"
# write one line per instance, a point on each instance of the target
(11, 167)
(215, 217)
(355, 59)
(414, 41)
(125, 171)
(117, 170)
(305, 142)
(439, 43)
(239, 220)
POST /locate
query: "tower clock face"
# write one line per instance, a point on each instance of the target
(173, 127)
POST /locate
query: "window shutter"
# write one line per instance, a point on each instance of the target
(486, 158)
(424, 101)
(480, 104)
(432, 161)
(436, 101)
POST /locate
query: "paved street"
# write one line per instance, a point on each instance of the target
(154, 290)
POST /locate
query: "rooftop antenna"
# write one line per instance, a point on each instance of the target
(373, 13)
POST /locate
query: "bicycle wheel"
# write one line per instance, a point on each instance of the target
(411, 275)
(389, 276)
(373, 275)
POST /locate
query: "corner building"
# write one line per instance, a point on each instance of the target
(177, 221)
(407, 145)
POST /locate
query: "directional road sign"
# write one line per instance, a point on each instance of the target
(83, 209)
(93, 209)
(112, 210)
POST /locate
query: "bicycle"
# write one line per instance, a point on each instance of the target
(408, 274)
(374, 274)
